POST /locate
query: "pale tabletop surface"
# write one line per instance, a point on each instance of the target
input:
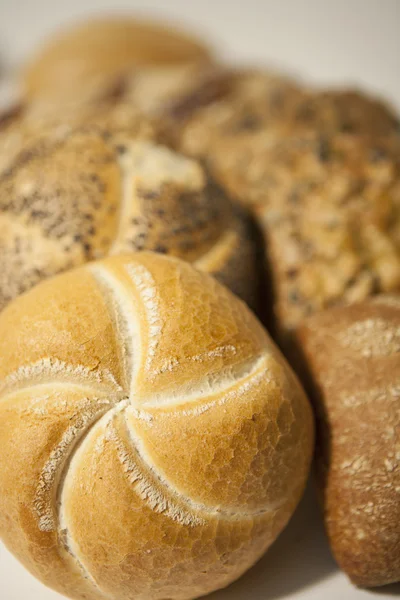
(338, 42)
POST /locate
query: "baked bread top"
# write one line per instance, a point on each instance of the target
(81, 59)
(70, 194)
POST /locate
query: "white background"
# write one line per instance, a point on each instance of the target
(334, 42)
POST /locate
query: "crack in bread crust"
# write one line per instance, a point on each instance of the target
(124, 319)
(63, 530)
(241, 377)
(145, 480)
(216, 257)
(48, 370)
(127, 199)
(54, 472)
(144, 475)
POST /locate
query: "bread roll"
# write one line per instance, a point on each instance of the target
(72, 195)
(170, 94)
(261, 108)
(353, 362)
(153, 440)
(82, 58)
(324, 185)
(175, 93)
(321, 171)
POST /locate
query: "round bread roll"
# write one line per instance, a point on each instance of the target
(352, 357)
(82, 58)
(73, 195)
(153, 440)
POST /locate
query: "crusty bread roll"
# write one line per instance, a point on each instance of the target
(153, 440)
(74, 194)
(81, 59)
(353, 363)
(322, 174)
(321, 171)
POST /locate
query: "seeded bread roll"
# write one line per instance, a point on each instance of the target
(81, 59)
(322, 175)
(153, 440)
(321, 172)
(353, 362)
(174, 93)
(259, 108)
(170, 94)
(331, 221)
(190, 90)
(72, 195)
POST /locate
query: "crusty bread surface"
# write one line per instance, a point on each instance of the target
(352, 358)
(154, 442)
(331, 222)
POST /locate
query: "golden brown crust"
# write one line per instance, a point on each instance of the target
(70, 194)
(162, 440)
(83, 58)
(353, 361)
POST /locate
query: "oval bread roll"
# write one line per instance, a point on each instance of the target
(353, 362)
(75, 194)
(83, 57)
(153, 440)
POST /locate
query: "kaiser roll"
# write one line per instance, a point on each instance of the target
(153, 440)
(352, 356)
(85, 56)
(73, 194)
